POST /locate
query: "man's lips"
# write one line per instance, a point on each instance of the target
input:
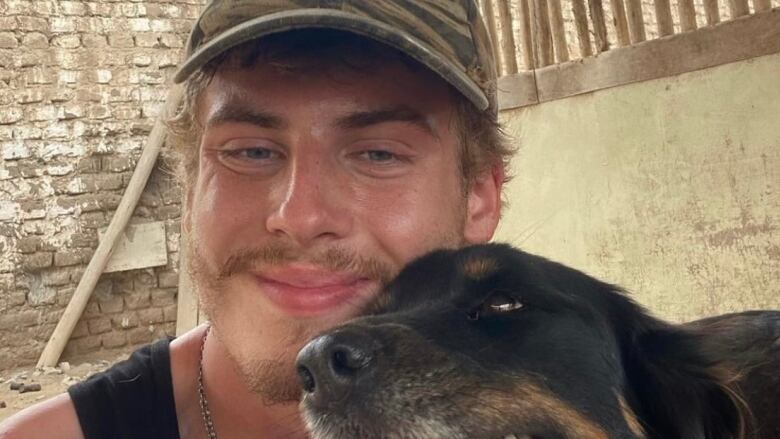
(309, 291)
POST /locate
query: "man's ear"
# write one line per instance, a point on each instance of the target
(674, 388)
(483, 208)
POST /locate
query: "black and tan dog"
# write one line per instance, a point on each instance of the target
(490, 342)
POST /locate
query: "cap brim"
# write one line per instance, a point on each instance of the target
(333, 19)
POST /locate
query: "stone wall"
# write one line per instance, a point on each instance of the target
(80, 85)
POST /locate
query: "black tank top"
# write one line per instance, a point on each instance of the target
(131, 400)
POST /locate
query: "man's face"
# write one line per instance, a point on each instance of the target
(314, 189)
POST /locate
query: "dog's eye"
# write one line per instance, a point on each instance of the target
(497, 303)
(502, 303)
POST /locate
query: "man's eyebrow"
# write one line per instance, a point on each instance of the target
(232, 111)
(402, 113)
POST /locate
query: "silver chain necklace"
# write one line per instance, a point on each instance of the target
(211, 433)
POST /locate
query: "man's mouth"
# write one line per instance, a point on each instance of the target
(307, 291)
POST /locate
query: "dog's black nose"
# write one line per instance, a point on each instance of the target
(332, 365)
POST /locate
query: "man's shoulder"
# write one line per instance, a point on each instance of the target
(40, 420)
(133, 398)
(60, 413)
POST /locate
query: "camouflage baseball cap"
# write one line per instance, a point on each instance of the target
(447, 36)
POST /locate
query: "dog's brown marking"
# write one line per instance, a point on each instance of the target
(538, 407)
(480, 267)
(631, 420)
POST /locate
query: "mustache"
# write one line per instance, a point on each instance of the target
(332, 258)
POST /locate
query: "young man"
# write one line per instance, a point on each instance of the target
(323, 145)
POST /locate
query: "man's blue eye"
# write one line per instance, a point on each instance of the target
(257, 153)
(380, 156)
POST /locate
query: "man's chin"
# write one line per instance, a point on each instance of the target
(273, 380)
(271, 384)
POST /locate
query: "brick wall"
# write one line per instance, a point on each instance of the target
(80, 84)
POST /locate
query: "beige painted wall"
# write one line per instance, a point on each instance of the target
(670, 188)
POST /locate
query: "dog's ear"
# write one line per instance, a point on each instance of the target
(673, 387)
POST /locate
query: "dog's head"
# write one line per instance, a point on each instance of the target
(490, 342)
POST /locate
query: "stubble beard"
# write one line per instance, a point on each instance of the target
(274, 380)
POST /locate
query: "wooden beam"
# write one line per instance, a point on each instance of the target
(687, 15)
(636, 21)
(187, 307)
(736, 40)
(599, 28)
(507, 38)
(526, 38)
(543, 38)
(517, 91)
(762, 5)
(663, 15)
(490, 23)
(558, 31)
(62, 332)
(581, 23)
(738, 8)
(712, 10)
(619, 19)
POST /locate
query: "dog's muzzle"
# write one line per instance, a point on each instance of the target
(333, 366)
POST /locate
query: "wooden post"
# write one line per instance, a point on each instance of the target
(187, 306)
(544, 48)
(712, 11)
(526, 38)
(507, 37)
(581, 22)
(490, 23)
(636, 21)
(62, 332)
(599, 28)
(762, 5)
(738, 8)
(663, 14)
(621, 27)
(558, 31)
(687, 15)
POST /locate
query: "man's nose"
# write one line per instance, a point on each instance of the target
(311, 205)
(332, 366)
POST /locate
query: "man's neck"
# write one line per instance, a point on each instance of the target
(236, 412)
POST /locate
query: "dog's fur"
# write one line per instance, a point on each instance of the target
(576, 359)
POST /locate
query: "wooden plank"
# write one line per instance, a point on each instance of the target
(187, 307)
(581, 23)
(712, 11)
(735, 40)
(139, 246)
(663, 15)
(558, 31)
(687, 15)
(621, 26)
(62, 332)
(738, 8)
(490, 23)
(543, 38)
(599, 28)
(517, 90)
(526, 39)
(508, 47)
(636, 21)
(762, 5)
